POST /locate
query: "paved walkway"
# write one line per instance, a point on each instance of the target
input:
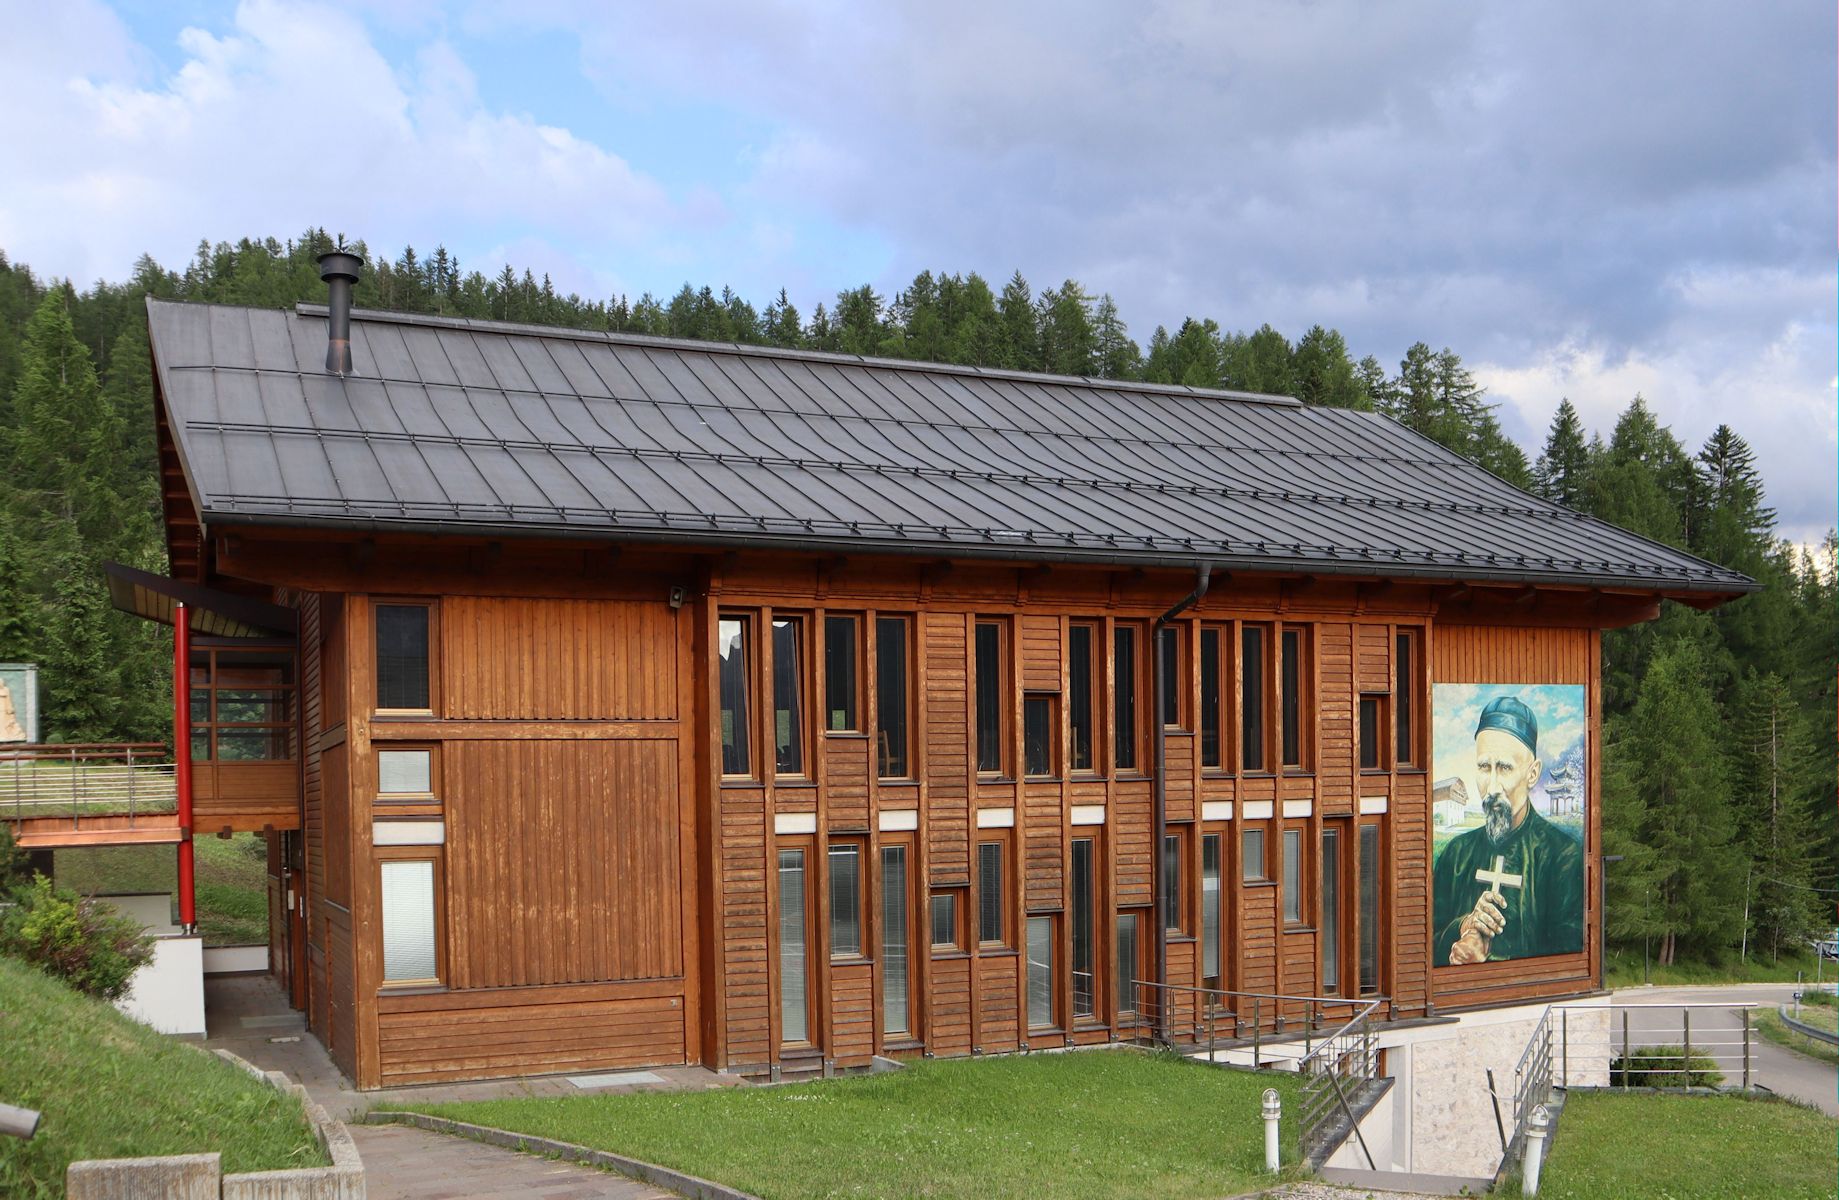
(248, 1016)
(1775, 1067)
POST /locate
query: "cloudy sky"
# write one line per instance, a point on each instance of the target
(1586, 200)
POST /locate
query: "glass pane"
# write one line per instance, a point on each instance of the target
(1253, 853)
(1171, 881)
(246, 744)
(1331, 911)
(402, 656)
(891, 697)
(1369, 909)
(840, 672)
(201, 745)
(1293, 875)
(201, 706)
(1124, 654)
(1210, 909)
(1210, 698)
(731, 650)
(1084, 890)
(1369, 733)
(788, 696)
(945, 920)
(894, 939)
(1171, 676)
(1292, 698)
(1126, 962)
(408, 921)
(990, 896)
(846, 900)
(1079, 699)
(253, 705)
(794, 1009)
(1251, 699)
(405, 771)
(1402, 694)
(1038, 735)
(1040, 971)
(989, 697)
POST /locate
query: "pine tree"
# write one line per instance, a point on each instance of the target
(1259, 362)
(1768, 755)
(1560, 474)
(1324, 374)
(1021, 337)
(781, 327)
(1117, 356)
(1069, 344)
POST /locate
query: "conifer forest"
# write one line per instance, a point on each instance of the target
(1719, 727)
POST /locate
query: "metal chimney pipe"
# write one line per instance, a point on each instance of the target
(339, 268)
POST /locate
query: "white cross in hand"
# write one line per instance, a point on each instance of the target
(1497, 877)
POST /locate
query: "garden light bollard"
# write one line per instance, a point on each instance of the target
(1273, 1113)
(1536, 1128)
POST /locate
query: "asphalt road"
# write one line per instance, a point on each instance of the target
(1780, 1070)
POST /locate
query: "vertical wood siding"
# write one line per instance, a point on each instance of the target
(557, 659)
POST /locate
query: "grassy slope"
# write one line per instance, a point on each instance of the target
(1612, 1147)
(1624, 969)
(1096, 1124)
(1771, 1026)
(111, 1088)
(232, 881)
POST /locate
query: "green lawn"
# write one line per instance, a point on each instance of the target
(232, 878)
(1630, 1147)
(1623, 968)
(1772, 1027)
(112, 1088)
(1110, 1123)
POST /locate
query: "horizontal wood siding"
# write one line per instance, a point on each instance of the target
(1041, 657)
(852, 1013)
(947, 749)
(1044, 848)
(1336, 752)
(1132, 821)
(998, 997)
(948, 1006)
(1373, 658)
(743, 925)
(846, 781)
(557, 1034)
(1410, 918)
(562, 862)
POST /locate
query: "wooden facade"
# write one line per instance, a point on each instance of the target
(610, 893)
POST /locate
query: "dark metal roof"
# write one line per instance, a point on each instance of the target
(460, 426)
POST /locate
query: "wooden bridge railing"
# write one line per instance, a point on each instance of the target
(89, 779)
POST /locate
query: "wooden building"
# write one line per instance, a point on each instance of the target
(645, 702)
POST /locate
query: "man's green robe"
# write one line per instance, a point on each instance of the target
(1545, 915)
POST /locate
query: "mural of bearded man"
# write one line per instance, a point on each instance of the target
(1513, 886)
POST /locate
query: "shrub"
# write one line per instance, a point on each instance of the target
(1663, 1067)
(15, 864)
(77, 939)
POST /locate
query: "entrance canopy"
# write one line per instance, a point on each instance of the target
(213, 613)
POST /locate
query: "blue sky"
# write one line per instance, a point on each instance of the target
(1583, 200)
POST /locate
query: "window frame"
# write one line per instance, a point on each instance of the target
(907, 844)
(745, 717)
(1220, 728)
(1294, 834)
(1218, 834)
(999, 699)
(806, 845)
(857, 675)
(801, 698)
(957, 897)
(435, 856)
(1000, 840)
(857, 845)
(1408, 708)
(1054, 1021)
(1383, 733)
(1331, 900)
(1094, 910)
(1173, 903)
(1172, 643)
(1254, 709)
(1029, 702)
(408, 803)
(1130, 739)
(908, 625)
(1370, 929)
(1091, 692)
(1128, 973)
(1296, 704)
(1262, 860)
(432, 608)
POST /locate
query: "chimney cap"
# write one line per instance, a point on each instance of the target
(340, 264)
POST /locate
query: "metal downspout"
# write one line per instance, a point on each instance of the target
(1204, 576)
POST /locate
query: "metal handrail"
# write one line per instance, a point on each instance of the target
(1347, 1053)
(92, 777)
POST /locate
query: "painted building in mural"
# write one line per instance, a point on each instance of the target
(18, 702)
(641, 702)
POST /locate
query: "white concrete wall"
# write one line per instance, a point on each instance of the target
(234, 960)
(168, 993)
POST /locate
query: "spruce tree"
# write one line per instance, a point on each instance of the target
(1768, 755)
(1021, 336)
(1560, 474)
(1116, 355)
(1069, 344)
(1324, 374)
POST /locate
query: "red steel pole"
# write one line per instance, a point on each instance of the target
(182, 759)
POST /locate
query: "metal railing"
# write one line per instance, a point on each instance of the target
(1347, 1059)
(90, 779)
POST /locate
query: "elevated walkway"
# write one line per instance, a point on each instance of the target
(92, 794)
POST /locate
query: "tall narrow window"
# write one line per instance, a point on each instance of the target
(1124, 719)
(1084, 914)
(794, 989)
(891, 697)
(989, 698)
(992, 902)
(840, 662)
(1173, 918)
(1210, 866)
(1331, 912)
(1038, 736)
(1292, 698)
(1251, 699)
(731, 672)
(846, 900)
(1370, 735)
(1210, 741)
(402, 656)
(788, 696)
(1403, 697)
(408, 909)
(1040, 972)
(1369, 909)
(944, 920)
(895, 934)
(1170, 651)
(1080, 684)
(1127, 960)
(1293, 876)
(1251, 853)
